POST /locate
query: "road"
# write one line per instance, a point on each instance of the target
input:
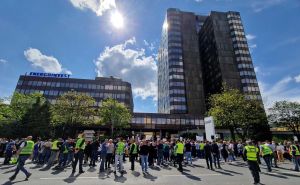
(236, 173)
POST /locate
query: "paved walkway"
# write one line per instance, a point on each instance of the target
(236, 173)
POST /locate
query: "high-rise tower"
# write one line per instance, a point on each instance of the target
(197, 55)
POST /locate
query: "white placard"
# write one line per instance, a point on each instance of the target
(209, 128)
(199, 138)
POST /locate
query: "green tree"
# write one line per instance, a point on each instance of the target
(37, 119)
(6, 113)
(286, 114)
(227, 109)
(114, 114)
(72, 110)
(254, 122)
(17, 114)
(246, 118)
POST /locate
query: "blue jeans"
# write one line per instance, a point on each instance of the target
(267, 159)
(103, 160)
(202, 154)
(144, 160)
(296, 160)
(63, 157)
(188, 156)
(47, 153)
(21, 163)
(160, 157)
(70, 157)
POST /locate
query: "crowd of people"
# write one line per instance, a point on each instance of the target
(148, 153)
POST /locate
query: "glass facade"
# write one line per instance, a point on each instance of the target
(99, 89)
(243, 57)
(170, 121)
(171, 83)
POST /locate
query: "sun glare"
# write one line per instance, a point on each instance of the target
(117, 20)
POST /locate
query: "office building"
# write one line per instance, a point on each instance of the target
(225, 55)
(198, 54)
(54, 85)
(180, 82)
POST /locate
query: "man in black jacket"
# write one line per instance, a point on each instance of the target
(216, 154)
(208, 158)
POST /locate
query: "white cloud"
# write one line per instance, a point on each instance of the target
(297, 79)
(250, 37)
(131, 65)
(97, 6)
(257, 69)
(3, 61)
(150, 46)
(260, 5)
(280, 90)
(198, 1)
(48, 64)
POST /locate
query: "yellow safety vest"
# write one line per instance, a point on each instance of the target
(291, 150)
(251, 153)
(266, 150)
(179, 149)
(54, 145)
(27, 150)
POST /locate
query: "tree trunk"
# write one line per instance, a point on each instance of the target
(232, 134)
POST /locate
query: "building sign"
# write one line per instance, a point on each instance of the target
(49, 75)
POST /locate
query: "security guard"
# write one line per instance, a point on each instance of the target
(179, 154)
(267, 153)
(133, 151)
(79, 153)
(251, 154)
(294, 152)
(24, 152)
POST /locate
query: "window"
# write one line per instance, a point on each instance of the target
(108, 87)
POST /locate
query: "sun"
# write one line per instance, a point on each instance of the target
(117, 20)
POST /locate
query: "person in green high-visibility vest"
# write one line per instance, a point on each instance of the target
(119, 152)
(295, 153)
(63, 155)
(133, 153)
(54, 152)
(79, 153)
(179, 154)
(201, 145)
(266, 152)
(251, 154)
(25, 151)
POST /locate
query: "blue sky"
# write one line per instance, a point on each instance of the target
(77, 37)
